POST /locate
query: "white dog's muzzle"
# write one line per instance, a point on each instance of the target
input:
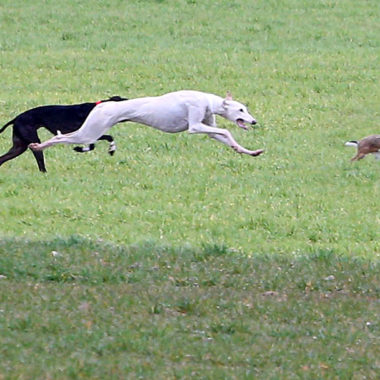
(241, 123)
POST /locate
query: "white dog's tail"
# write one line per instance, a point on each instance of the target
(352, 143)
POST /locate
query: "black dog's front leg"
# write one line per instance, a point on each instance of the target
(87, 148)
(111, 149)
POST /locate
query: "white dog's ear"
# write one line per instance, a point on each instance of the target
(227, 99)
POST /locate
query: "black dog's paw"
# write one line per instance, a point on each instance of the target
(78, 149)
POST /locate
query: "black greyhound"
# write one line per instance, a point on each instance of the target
(56, 119)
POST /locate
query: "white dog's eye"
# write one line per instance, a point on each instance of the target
(241, 110)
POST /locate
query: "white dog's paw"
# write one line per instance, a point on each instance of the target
(35, 146)
(255, 153)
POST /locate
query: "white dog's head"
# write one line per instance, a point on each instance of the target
(237, 112)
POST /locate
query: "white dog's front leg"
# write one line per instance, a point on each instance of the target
(197, 114)
(224, 136)
(238, 148)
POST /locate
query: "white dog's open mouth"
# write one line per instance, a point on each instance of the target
(241, 123)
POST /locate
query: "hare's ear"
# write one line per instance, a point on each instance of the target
(228, 96)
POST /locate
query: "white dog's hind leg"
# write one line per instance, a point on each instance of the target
(97, 122)
(69, 138)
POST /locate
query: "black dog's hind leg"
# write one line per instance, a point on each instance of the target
(26, 135)
(39, 156)
(19, 147)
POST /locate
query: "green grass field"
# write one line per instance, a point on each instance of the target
(177, 257)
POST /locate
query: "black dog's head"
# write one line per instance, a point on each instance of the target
(114, 99)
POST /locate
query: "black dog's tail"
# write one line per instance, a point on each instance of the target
(6, 125)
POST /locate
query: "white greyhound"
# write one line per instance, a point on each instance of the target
(173, 112)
